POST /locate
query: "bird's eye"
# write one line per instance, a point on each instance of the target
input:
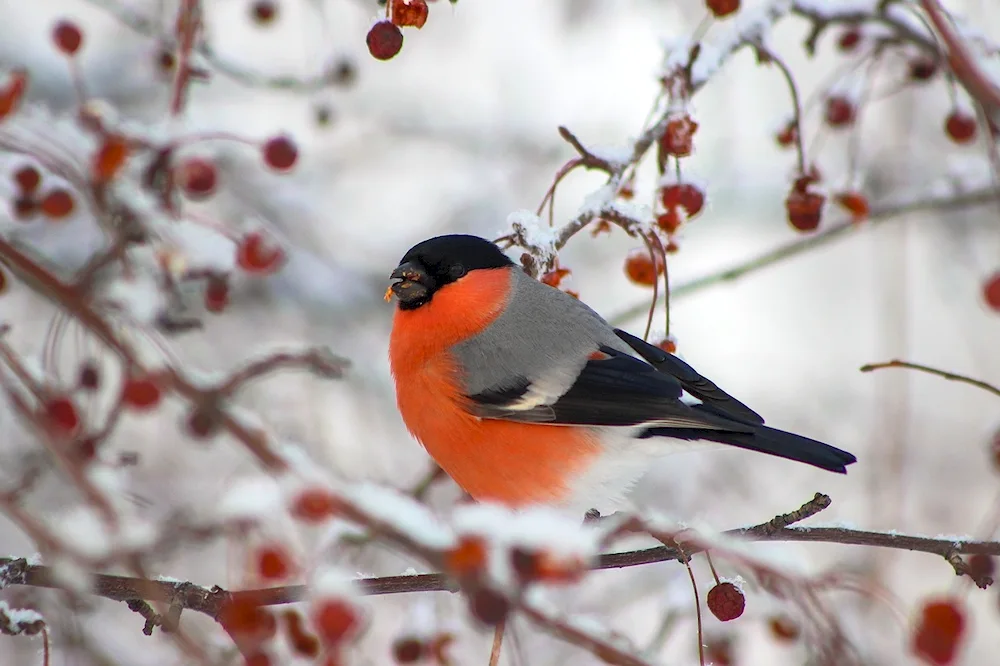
(456, 271)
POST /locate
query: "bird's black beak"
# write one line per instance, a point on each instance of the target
(413, 284)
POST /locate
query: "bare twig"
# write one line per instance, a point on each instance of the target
(944, 374)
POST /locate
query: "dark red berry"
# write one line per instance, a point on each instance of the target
(385, 40)
(67, 37)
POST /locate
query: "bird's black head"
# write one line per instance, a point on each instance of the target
(438, 261)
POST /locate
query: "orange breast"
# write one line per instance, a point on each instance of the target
(513, 463)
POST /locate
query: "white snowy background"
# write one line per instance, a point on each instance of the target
(453, 135)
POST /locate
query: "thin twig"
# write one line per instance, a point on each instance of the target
(944, 374)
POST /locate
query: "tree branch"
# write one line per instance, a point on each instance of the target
(944, 374)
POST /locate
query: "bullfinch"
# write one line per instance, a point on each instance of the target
(524, 395)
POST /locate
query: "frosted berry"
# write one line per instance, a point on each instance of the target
(407, 650)
(721, 8)
(839, 111)
(687, 196)
(726, 601)
(196, 176)
(939, 631)
(670, 220)
(256, 254)
(335, 620)
(62, 415)
(855, 203)
(468, 557)
(849, 39)
(140, 393)
(263, 11)
(273, 562)
(991, 291)
(28, 179)
(280, 153)
(960, 127)
(407, 13)
(678, 138)
(67, 37)
(57, 204)
(641, 268)
(554, 277)
(805, 209)
(488, 606)
(385, 40)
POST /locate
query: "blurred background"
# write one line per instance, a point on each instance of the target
(454, 134)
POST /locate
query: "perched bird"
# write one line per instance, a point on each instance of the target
(524, 395)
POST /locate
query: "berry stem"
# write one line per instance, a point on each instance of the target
(188, 24)
(711, 565)
(796, 104)
(697, 608)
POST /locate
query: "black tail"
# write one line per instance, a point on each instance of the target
(767, 440)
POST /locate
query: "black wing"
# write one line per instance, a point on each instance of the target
(700, 387)
(614, 390)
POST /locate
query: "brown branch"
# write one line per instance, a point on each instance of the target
(944, 374)
(319, 361)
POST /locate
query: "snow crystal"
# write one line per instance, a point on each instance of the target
(201, 247)
(71, 575)
(542, 528)
(828, 9)
(902, 16)
(597, 200)
(139, 297)
(402, 512)
(332, 582)
(533, 234)
(16, 618)
(250, 498)
(616, 156)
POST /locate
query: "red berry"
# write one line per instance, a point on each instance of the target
(685, 195)
(678, 138)
(668, 345)
(196, 176)
(202, 423)
(303, 643)
(110, 158)
(314, 505)
(280, 153)
(27, 178)
(788, 135)
(165, 60)
(408, 650)
(726, 601)
(784, 628)
(719, 651)
(939, 631)
(640, 267)
(960, 127)
(25, 207)
(273, 562)
(257, 659)
(245, 618)
(488, 606)
(849, 39)
(3, 282)
(57, 204)
(839, 111)
(855, 203)
(63, 416)
(67, 37)
(216, 293)
(255, 254)
(923, 68)
(335, 620)
(991, 291)
(721, 8)
(804, 209)
(554, 277)
(264, 11)
(406, 13)
(90, 377)
(385, 39)
(468, 557)
(11, 95)
(140, 393)
(669, 220)
(981, 566)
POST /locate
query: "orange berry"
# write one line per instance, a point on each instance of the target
(407, 13)
(57, 204)
(273, 562)
(555, 276)
(335, 620)
(641, 269)
(11, 95)
(141, 393)
(855, 203)
(687, 196)
(939, 631)
(468, 557)
(784, 628)
(991, 291)
(726, 601)
(110, 159)
(314, 505)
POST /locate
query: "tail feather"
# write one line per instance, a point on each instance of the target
(767, 440)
